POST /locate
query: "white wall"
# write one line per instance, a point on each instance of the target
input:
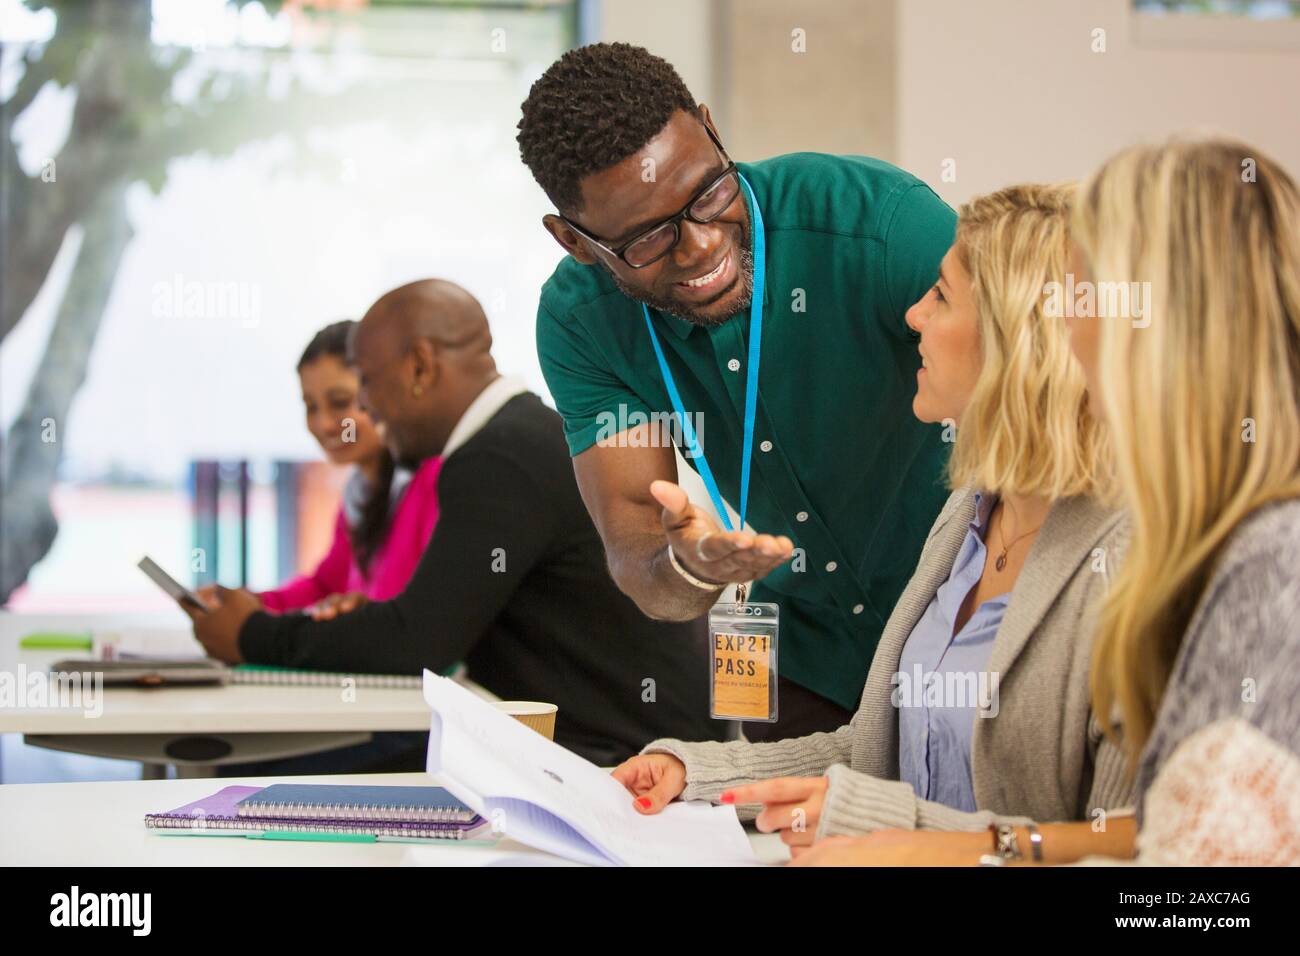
(830, 88)
(1011, 90)
(680, 31)
(835, 94)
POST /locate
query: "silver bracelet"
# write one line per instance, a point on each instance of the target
(702, 585)
(1035, 842)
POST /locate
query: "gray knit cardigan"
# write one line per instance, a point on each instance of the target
(1038, 755)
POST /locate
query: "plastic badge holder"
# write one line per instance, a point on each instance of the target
(743, 662)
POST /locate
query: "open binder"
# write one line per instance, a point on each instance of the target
(534, 791)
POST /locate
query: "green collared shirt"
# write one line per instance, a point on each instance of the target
(840, 463)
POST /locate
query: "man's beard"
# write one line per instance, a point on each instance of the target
(744, 278)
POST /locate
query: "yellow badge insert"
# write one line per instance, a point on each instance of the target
(743, 662)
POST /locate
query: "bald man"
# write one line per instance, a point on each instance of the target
(513, 581)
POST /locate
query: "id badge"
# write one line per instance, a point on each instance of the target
(742, 660)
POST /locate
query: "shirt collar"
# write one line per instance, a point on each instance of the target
(985, 502)
(683, 328)
(969, 566)
(488, 402)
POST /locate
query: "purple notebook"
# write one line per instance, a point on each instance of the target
(219, 812)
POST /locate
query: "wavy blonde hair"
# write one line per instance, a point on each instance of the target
(1222, 351)
(1027, 429)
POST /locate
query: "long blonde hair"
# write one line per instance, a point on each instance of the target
(1027, 429)
(1203, 403)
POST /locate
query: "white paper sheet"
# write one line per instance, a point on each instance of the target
(539, 794)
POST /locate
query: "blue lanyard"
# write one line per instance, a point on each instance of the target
(751, 380)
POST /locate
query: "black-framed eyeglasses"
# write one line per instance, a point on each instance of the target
(656, 242)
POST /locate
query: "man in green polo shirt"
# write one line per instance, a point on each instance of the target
(844, 481)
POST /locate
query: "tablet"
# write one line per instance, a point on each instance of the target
(177, 591)
(150, 673)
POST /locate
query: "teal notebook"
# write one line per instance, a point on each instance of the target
(264, 674)
(307, 801)
(267, 674)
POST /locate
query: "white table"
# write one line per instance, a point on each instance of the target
(102, 824)
(256, 722)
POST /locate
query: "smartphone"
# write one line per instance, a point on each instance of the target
(177, 591)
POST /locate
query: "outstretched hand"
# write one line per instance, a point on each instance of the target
(710, 553)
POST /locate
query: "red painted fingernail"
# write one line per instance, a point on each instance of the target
(643, 802)
(727, 797)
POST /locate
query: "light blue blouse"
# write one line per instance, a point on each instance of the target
(941, 677)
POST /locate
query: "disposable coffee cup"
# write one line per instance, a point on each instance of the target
(531, 713)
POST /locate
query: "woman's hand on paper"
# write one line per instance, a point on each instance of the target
(654, 780)
(792, 806)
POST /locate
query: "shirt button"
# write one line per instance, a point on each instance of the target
(831, 565)
(765, 445)
(859, 608)
(801, 516)
(734, 365)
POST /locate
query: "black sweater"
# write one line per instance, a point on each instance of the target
(514, 583)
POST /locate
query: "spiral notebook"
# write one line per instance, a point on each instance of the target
(343, 802)
(261, 674)
(322, 812)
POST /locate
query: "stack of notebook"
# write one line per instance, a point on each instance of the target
(323, 812)
(261, 674)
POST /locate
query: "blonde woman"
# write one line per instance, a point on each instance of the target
(1197, 649)
(1006, 585)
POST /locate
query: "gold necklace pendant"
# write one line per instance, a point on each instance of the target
(1001, 562)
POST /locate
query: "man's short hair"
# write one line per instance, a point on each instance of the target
(596, 106)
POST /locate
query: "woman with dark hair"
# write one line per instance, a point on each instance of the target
(388, 513)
